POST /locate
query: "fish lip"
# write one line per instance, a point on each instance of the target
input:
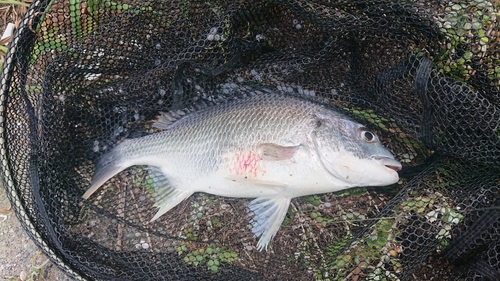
(389, 163)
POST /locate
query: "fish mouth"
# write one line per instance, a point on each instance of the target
(389, 163)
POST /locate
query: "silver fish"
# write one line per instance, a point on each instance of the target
(268, 146)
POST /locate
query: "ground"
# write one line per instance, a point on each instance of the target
(20, 258)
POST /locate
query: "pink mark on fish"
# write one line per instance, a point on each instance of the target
(246, 164)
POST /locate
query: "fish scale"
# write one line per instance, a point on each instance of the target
(269, 146)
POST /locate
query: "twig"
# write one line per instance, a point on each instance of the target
(6, 211)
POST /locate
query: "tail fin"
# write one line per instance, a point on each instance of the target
(109, 165)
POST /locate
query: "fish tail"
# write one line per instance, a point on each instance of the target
(109, 165)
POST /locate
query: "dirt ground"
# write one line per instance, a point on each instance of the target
(20, 258)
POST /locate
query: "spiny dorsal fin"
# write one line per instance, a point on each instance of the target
(166, 119)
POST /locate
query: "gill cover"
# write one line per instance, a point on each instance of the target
(351, 153)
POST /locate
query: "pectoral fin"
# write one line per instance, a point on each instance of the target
(271, 151)
(166, 196)
(269, 213)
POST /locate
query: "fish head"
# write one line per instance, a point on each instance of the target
(353, 154)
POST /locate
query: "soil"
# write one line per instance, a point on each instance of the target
(20, 258)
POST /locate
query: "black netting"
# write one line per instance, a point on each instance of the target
(81, 77)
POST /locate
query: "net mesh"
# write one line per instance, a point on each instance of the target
(82, 76)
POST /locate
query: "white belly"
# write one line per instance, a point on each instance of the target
(247, 175)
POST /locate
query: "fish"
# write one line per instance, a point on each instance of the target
(267, 145)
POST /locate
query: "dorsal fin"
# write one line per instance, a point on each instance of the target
(166, 119)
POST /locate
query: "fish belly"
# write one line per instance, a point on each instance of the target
(248, 174)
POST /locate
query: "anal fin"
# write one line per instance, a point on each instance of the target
(166, 196)
(269, 214)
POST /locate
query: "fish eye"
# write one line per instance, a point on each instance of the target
(367, 136)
